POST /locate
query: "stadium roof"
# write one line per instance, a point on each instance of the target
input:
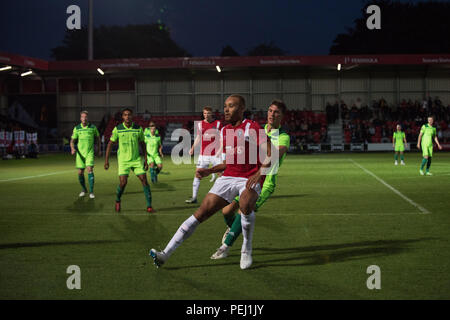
(223, 62)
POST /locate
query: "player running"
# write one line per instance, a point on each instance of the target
(129, 136)
(84, 136)
(426, 136)
(208, 137)
(154, 151)
(241, 176)
(281, 140)
(398, 143)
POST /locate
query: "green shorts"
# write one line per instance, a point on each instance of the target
(136, 166)
(82, 161)
(155, 158)
(399, 148)
(427, 150)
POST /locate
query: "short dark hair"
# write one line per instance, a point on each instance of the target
(207, 108)
(239, 97)
(127, 109)
(280, 104)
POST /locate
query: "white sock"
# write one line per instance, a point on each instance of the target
(248, 225)
(184, 232)
(195, 186)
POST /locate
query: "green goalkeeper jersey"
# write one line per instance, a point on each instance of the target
(128, 138)
(428, 134)
(279, 137)
(152, 142)
(399, 137)
(85, 136)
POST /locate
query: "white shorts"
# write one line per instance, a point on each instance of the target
(229, 187)
(205, 161)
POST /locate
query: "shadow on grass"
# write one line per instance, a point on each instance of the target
(183, 179)
(179, 208)
(287, 196)
(145, 231)
(55, 243)
(84, 205)
(319, 255)
(154, 187)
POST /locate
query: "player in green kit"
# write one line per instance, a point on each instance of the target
(398, 143)
(279, 139)
(84, 135)
(154, 151)
(426, 137)
(129, 136)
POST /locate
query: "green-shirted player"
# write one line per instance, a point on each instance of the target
(154, 150)
(84, 135)
(426, 137)
(129, 136)
(279, 139)
(398, 143)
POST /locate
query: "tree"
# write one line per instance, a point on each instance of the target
(114, 42)
(423, 27)
(266, 49)
(228, 51)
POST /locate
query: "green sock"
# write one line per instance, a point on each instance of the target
(152, 174)
(424, 161)
(428, 164)
(396, 157)
(229, 219)
(119, 193)
(235, 231)
(82, 182)
(148, 195)
(91, 182)
(402, 157)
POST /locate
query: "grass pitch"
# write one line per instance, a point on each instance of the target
(330, 218)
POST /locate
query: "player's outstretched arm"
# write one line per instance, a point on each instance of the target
(99, 147)
(72, 147)
(108, 151)
(281, 151)
(419, 140)
(204, 172)
(196, 142)
(143, 146)
(266, 164)
(437, 143)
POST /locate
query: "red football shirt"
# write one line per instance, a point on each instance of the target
(241, 149)
(210, 136)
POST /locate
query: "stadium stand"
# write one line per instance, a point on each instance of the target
(377, 122)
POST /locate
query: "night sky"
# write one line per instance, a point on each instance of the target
(202, 27)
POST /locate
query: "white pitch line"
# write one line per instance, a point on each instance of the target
(37, 176)
(418, 206)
